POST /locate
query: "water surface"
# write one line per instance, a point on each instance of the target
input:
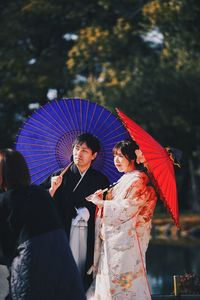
(166, 258)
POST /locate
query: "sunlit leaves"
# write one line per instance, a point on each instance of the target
(91, 48)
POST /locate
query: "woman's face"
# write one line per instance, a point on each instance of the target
(122, 163)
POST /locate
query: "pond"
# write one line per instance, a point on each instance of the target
(166, 258)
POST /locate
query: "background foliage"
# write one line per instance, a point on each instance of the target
(140, 56)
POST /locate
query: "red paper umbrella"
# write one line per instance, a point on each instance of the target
(159, 164)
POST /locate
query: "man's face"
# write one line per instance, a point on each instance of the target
(83, 156)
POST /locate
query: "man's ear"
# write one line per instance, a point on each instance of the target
(94, 155)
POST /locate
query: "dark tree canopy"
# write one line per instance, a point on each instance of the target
(140, 56)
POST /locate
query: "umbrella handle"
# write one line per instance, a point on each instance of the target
(65, 169)
(110, 186)
(103, 191)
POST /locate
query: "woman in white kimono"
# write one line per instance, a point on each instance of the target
(123, 227)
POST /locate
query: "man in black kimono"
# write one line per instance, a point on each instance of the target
(70, 190)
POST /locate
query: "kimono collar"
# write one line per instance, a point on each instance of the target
(76, 170)
(82, 174)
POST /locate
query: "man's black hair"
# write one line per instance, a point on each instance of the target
(90, 140)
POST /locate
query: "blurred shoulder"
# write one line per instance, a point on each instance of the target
(4, 196)
(12, 196)
(37, 190)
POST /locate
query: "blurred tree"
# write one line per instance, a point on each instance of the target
(147, 62)
(35, 37)
(180, 63)
(141, 56)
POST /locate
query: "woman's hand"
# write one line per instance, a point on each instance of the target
(99, 193)
(55, 183)
(109, 195)
(96, 198)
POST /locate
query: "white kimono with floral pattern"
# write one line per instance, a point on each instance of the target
(122, 237)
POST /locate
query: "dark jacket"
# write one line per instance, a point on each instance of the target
(31, 236)
(67, 200)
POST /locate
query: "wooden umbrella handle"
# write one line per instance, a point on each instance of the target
(108, 188)
(65, 169)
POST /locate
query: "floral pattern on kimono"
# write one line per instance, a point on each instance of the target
(122, 237)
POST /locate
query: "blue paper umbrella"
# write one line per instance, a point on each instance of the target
(46, 137)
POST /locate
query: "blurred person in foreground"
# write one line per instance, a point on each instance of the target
(123, 227)
(69, 191)
(38, 255)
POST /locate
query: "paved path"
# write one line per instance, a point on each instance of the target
(4, 289)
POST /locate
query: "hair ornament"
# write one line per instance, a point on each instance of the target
(175, 155)
(140, 159)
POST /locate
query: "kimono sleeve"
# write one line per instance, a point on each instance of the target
(120, 210)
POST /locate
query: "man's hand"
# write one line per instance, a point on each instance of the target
(55, 183)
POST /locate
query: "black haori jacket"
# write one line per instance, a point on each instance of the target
(67, 201)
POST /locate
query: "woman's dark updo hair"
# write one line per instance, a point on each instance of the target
(127, 148)
(14, 171)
